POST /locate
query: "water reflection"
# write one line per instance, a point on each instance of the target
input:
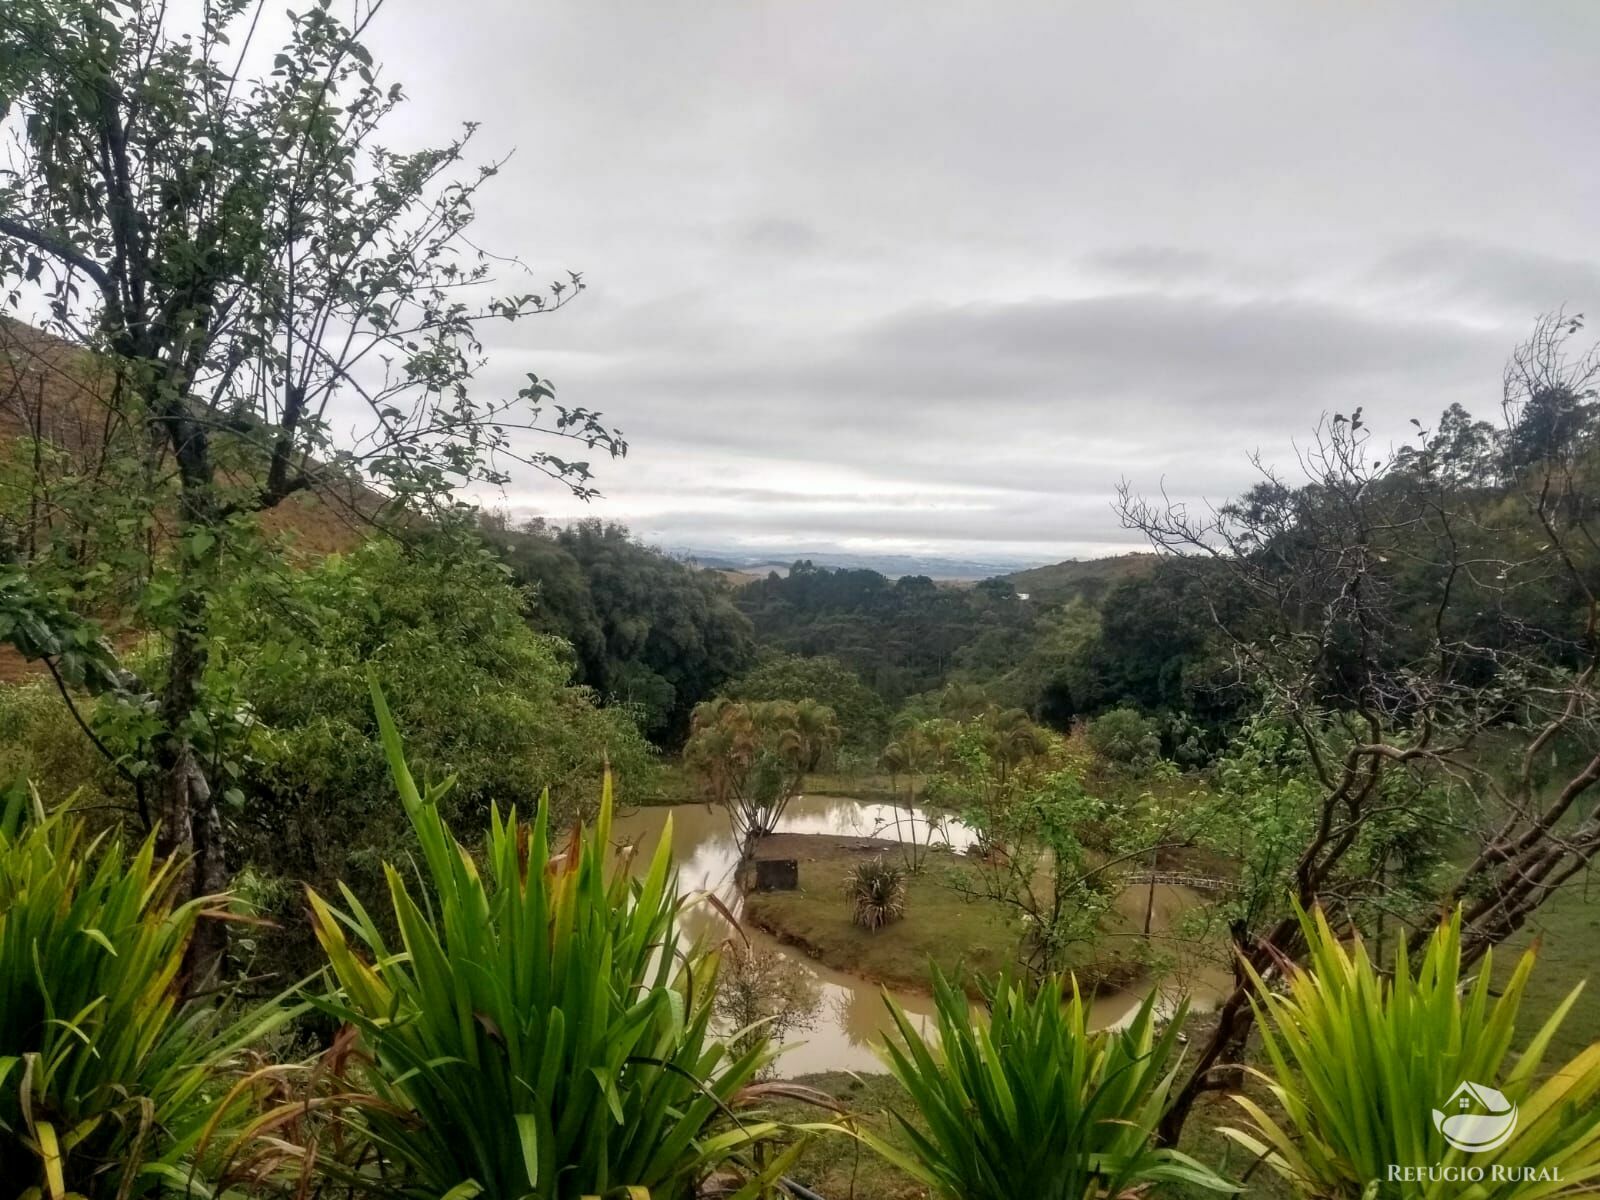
(852, 1016)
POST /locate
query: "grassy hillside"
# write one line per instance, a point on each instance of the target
(53, 393)
(1088, 578)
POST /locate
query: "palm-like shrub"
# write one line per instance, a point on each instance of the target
(753, 757)
(1360, 1064)
(1030, 1103)
(538, 1033)
(109, 1082)
(876, 890)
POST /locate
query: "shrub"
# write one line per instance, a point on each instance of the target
(109, 1082)
(40, 743)
(537, 1036)
(1032, 1103)
(483, 699)
(876, 890)
(764, 995)
(1123, 738)
(1361, 1065)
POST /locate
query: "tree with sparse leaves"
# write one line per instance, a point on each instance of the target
(272, 302)
(1423, 634)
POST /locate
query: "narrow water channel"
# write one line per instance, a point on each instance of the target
(852, 1015)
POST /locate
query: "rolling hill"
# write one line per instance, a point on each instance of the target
(1086, 578)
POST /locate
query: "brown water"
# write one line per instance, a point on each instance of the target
(852, 1015)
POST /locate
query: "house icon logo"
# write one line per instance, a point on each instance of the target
(1476, 1118)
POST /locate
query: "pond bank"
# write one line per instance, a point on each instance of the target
(852, 1016)
(948, 921)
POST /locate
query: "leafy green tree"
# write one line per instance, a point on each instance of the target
(1125, 739)
(753, 757)
(1050, 673)
(861, 714)
(901, 637)
(1393, 615)
(646, 629)
(252, 270)
(1036, 858)
(1158, 647)
(484, 698)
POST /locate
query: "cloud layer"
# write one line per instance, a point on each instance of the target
(934, 277)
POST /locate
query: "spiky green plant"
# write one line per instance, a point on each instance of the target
(1026, 1101)
(538, 1032)
(108, 1080)
(876, 890)
(1360, 1065)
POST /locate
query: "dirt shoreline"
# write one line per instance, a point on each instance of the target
(777, 913)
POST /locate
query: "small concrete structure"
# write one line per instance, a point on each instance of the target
(777, 874)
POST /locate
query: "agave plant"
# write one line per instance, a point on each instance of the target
(1030, 1103)
(1369, 1072)
(109, 1082)
(876, 890)
(538, 1032)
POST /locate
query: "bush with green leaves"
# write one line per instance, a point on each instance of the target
(1025, 1101)
(538, 1033)
(647, 629)
(862, 715)
(1125, 739)
(876, 890)
(1364, 1066)
(40, 743)
(482, 697)
(110, 1084)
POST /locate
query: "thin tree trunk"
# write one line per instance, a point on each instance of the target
(1221, 1051)
(190, 825)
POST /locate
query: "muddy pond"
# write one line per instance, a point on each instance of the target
(852, 1015)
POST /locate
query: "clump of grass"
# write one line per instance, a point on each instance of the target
(1025, 1100)
(534, 1034)
(876, 890)
(1348, 1045)
(109, 1078)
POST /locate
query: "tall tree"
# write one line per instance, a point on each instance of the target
(252, 270)
(647, 629)
(1397, 620)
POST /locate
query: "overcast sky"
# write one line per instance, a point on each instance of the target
(921, 277)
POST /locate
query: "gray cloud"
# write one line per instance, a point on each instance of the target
(937, 275)
(1505, 280)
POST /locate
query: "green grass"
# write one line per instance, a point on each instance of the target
(1567, 928)
(841, 1168)
(672, 784)
(942, 926)
(870, 786)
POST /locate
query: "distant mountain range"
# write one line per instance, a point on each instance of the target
(892, 565)
(1089, 577)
